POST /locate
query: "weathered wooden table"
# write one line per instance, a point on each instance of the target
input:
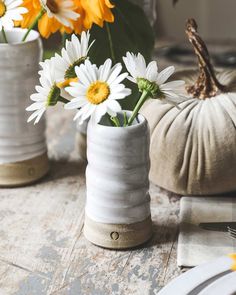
(42, 247)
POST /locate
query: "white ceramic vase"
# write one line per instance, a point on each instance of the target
(23, 153)
(118, 201)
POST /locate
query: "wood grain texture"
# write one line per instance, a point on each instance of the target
(42, 247)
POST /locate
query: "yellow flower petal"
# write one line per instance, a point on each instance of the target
(233, 256)
(66, 83)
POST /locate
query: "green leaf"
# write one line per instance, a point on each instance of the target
(131, 31)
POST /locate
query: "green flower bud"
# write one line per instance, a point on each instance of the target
(151, 87)
(70, 72)
(53, 96)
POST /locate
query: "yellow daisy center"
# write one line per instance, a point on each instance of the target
(2, 8)
(52, 6)
(98, 92)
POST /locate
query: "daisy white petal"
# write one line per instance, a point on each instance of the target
(88, 113)
(119, 79)
(111, 112)
(37, 115)
(114, 106)
(75, 91)
(115, 73)
(164, 75)
(76, 104)
(172, 85)
(35, 106)
(105, 69)
(99, 113)
(152, 71)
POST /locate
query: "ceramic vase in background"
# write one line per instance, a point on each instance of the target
(23, 152)
(118, 201)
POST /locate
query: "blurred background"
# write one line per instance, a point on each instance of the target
(215, 18)
(216, 21)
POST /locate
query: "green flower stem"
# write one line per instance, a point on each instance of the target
(115, 121)
(4, 35)
(63, 100)
(145, 95)
(110, 43)
(31, 27)
(125, 119)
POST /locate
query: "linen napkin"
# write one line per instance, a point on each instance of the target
(196, 245)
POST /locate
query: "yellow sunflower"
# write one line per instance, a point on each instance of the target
(56, 14)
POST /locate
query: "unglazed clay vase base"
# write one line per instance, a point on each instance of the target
(24, 172)
(118, 236)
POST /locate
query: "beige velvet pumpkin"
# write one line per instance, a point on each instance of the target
(193, 149)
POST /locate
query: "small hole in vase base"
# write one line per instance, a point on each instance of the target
(31, 171)
(114, 236)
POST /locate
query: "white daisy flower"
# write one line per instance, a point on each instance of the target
(10, 11)
(74, 54)
(148, 76)
(47, 93)
(61, 10)
(97, 90)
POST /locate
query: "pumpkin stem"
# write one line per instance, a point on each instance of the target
(207, 84)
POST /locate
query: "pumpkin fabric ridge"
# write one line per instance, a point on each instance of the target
(193, 149)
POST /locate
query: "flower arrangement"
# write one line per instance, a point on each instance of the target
(94, 81)
(94, 91)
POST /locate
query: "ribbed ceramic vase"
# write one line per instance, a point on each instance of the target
(118, 201)
(23, 153)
